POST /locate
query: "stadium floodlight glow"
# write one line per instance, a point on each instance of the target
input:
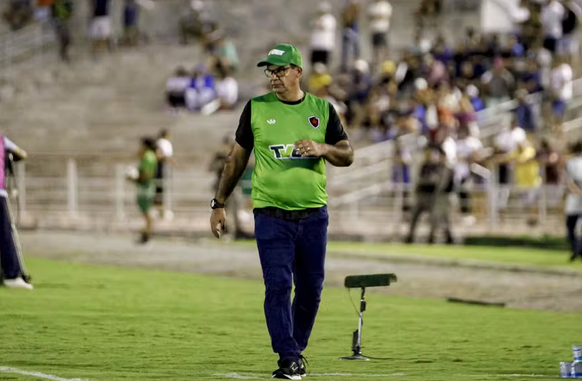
(363, 281)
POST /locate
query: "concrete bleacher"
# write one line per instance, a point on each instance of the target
(95, 111)
(104, 106)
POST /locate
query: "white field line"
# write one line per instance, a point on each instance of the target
(6, 369)
(257, 377)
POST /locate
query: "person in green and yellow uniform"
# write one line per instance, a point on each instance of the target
(146, 187)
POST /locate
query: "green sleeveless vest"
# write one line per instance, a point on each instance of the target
(282, 178)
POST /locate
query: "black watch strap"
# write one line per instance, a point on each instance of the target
(214, 204)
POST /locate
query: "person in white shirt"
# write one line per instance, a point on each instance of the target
(165, 154)
(561, 86)
(379, 13)
(226, 88)
(553, 13)
(323, 35)
(467, 150)
(573, 206)
(12, 270)
(505, 143)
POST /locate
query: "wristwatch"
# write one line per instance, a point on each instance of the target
(214, 204)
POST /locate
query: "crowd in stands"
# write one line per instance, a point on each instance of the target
(436, 88)
(210, 86)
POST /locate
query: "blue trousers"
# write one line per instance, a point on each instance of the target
(292, 252)
(9, 247)
(575, 242)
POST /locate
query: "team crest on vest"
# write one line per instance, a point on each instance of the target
(314, 121)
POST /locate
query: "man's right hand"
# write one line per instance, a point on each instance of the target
(218, 221)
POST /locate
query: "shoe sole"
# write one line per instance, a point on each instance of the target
(289, 377)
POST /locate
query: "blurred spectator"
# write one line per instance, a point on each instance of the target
(18, 13)
(574, 199)
(467, 152)
(427, 13)
(543, 58)
(379, 13)
(319, 78)
(432, 194)
(527, 177)
(499, 84)
(201, 90)
(524, 112)
(176, 88)
(131, 10)
(425, 111)
(505, 144)
(553, 14)
(531, 78)
(550, 162)
(421, 45)
(42, 12)
(61, 12)
(568, 45)
(508, 139)
(361, 86)
(466, 116)
(467, 76)
(323, 35)
(196, 23)
(226, 88)
(473, 93)
(441, 50)
(447, 105)
(224, 53)
(165, 156)
(401, 164)
(561, 91)
(531, 22)
(436, 71)
(350, 33)
(100, 26)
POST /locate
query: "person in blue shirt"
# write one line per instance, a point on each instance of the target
(202, 89)
(524, 112)
(131, 22)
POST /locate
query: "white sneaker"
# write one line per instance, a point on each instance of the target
(17, 283)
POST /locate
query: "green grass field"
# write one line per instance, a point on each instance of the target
(508, 256)
(103, 323)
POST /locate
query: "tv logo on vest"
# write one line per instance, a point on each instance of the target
(286, 151)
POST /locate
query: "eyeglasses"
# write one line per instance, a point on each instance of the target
(279, 73)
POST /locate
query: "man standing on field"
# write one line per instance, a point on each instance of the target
(293, 134)
(12, 270)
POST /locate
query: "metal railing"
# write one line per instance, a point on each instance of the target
(111, 200)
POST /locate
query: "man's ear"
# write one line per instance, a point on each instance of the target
(299, 72)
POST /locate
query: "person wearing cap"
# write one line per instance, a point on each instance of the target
(293, 135)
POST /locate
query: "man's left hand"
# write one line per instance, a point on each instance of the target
(307, 147)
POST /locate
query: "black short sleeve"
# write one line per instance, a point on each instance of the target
(335, 130)
(244, 132)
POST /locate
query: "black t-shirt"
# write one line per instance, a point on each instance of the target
(244, 133)
(100, 8)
